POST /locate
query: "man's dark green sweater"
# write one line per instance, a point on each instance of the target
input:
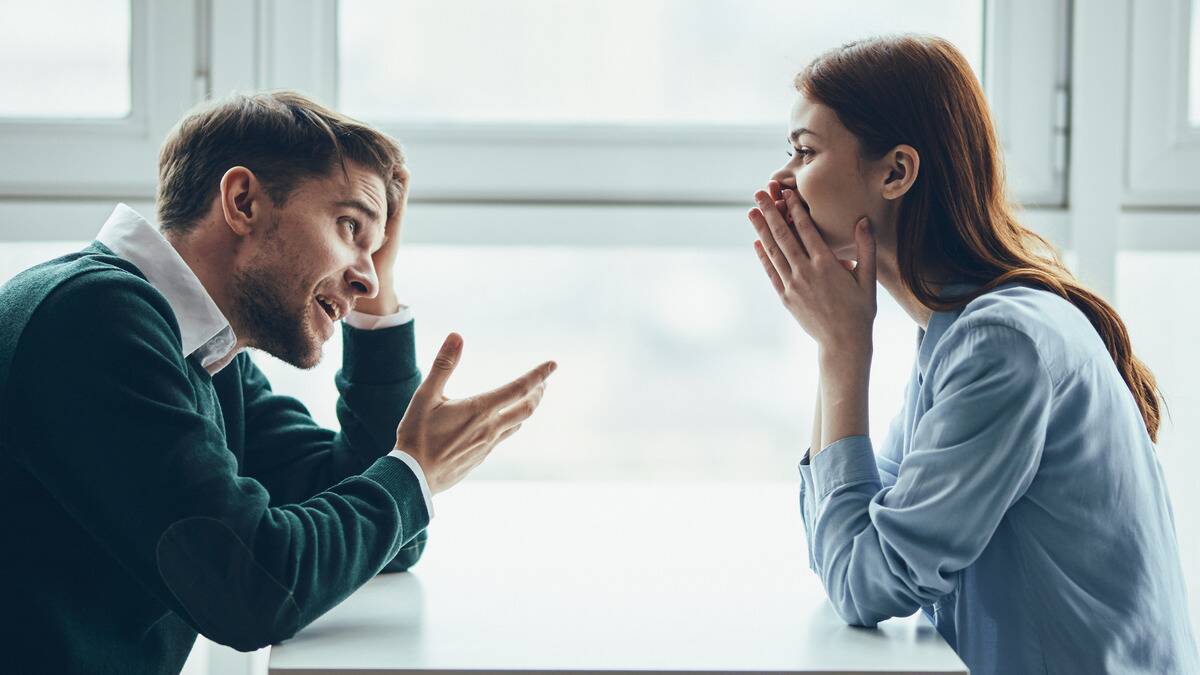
(145, 501)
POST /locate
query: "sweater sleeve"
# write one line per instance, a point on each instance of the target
(883, 551)
(293, 456)
(117, 433)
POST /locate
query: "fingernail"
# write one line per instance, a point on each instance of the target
(553, 367)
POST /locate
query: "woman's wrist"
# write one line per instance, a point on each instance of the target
(845, 357)
(845, 373)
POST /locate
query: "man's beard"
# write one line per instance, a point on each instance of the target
(266, 313)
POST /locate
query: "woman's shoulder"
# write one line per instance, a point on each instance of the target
(1058, 332)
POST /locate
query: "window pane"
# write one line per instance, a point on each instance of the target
(1153, 291)
(1194, 84)
(673, 363)
(607, 60)
(65, 59)
(18, 256)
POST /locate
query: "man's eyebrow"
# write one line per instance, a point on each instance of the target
(797, 133)
(362, 206)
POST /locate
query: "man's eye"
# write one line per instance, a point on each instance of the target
(351, 224)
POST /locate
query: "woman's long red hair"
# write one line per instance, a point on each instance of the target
(956, 218)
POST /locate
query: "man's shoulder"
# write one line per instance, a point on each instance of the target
(77, 294)
(93, 273)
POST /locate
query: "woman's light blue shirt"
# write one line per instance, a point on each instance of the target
(1017, 500)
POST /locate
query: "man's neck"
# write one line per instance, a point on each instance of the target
(211, 261)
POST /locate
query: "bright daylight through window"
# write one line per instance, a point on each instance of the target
(51, 52)
(607, 61)
(674, 362)
(1194, 67)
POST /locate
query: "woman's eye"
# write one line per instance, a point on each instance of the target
(803, 153)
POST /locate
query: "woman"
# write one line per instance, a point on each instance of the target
(1017, 499)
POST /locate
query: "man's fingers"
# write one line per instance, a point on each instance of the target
(509, 432)
(507, 394)
(523, 409)
(443, 364)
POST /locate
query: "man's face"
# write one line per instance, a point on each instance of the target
(308, 268)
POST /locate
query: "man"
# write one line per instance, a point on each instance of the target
(154, 486)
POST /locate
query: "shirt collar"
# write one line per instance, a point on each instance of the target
(204, 330)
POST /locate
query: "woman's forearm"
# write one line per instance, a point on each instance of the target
(815, 445)
(845, 378)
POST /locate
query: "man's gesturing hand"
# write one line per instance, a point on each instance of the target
(450, 438)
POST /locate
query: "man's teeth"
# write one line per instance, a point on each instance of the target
(334, 309)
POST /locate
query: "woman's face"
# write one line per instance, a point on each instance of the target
(832, 179)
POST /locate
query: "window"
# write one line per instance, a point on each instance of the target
(1165, 338)
(674, 363)
(1163, 155)
(629, 101)
(606, 61)
(48, 62)
(84, 104)
(1194, 68)
(626, 101)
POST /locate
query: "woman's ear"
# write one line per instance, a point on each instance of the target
(243, 200)
(901, 165)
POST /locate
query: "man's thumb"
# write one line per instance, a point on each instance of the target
(444, 363)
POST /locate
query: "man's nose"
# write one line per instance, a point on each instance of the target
(363, 279)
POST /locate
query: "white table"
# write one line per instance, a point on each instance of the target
(608, 578)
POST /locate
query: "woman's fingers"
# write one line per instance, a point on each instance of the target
(776, 282)
(774, 189)
(864, 237)
(806, 229)
(770, 246)
(776, 234)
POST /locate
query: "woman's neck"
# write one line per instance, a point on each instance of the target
(888, 273)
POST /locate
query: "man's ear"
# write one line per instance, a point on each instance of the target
(901, 164)
(244, 202)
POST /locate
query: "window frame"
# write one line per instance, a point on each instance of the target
(213, 47)
(1163, 156)
(1026, 47)
(114, 158)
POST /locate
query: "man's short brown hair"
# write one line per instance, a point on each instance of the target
(282, 136)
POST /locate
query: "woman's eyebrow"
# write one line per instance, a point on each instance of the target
(797, 133)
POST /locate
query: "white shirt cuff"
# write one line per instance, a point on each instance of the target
(361, 321)
(416, 468)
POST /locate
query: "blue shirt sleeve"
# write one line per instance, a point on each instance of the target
(884, 551)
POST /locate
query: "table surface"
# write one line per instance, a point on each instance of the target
(608, 578)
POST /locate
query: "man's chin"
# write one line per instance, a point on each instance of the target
(303, 354)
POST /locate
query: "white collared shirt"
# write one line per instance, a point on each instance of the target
(204, 331)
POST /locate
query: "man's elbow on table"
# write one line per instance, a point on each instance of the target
(409, 554)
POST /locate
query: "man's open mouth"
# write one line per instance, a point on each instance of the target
(333, 309)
